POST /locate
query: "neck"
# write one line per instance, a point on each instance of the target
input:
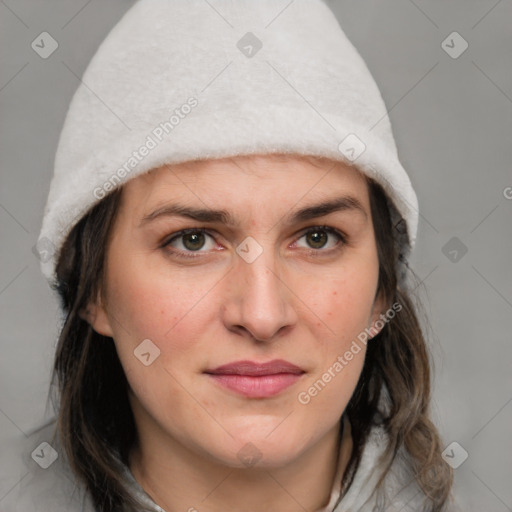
(177, 478)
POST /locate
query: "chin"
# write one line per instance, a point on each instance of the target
(260, 452)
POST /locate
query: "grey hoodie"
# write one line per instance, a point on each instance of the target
(54, 490)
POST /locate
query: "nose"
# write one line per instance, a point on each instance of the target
(259, 304)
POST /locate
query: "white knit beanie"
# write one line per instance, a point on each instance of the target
(180, 80)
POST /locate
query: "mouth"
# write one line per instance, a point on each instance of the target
(256, 380)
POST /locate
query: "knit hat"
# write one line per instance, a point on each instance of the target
(180, 80)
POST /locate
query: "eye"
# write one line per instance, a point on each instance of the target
(191, 240)
(321, 237)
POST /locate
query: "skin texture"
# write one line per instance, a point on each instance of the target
(299, 302)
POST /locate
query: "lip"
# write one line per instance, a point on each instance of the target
(256, 380)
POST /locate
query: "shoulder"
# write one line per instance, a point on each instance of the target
(40, 479)
(398, 486)
(399, 491)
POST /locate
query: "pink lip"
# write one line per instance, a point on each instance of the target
(257, 380)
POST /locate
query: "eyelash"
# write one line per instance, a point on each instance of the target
(312, 252)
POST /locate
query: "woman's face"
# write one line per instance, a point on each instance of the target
(278, 265)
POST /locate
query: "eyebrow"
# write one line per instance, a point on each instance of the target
(346, 203)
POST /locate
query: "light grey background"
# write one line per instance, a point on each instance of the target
(452, 120)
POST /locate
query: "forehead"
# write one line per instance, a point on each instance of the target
(247, 179)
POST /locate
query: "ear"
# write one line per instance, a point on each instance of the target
(376, 323)
(95, 314)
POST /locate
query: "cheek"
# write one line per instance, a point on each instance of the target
(340, 356)
(174, 312)
(144, 307)
(343, 305)
(341, 313)
(147, 305)
(344, 292)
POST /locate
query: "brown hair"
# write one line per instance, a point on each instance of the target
(95, 422)
(398, 363)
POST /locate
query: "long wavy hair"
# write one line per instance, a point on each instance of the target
(95, 425)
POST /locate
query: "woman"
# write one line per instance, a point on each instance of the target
(231, 226)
